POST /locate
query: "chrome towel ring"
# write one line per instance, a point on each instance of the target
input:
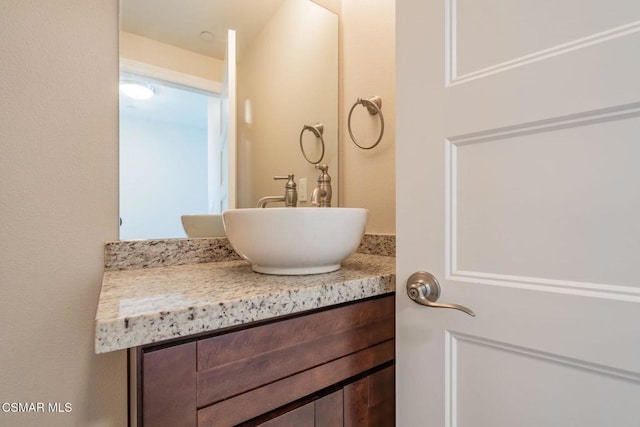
(374, 106)
(317, 130)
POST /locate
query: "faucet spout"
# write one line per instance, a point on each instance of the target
(321, 196)
(262, 203)
(317, 195)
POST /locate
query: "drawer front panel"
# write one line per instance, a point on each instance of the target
(300, 344)
(226, 348)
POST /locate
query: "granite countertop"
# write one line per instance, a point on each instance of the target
(143, 306)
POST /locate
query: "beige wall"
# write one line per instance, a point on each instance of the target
(153, 52)
(58, 204)
(290, 74)
(367, 68)
(332, 5)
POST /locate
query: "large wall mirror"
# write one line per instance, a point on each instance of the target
(172, 131)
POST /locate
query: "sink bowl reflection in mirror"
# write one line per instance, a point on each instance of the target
(295, 241)
(204, 225)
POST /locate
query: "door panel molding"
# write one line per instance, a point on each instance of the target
(452, 241)
(543, 361)
(618, 112)
(453, 337)
(595, 290)
(451, 48)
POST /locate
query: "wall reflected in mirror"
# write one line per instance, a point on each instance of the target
(287, 77)
(163, 158)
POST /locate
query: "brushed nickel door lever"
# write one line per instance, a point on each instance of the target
(423, 288)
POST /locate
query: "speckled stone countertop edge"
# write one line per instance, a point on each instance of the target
(305, 300)
(201, 307)
(135, 254)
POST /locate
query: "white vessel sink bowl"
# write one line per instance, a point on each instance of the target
(295, 241)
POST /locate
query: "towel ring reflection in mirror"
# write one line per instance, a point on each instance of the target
(317, 130)
(374, 106)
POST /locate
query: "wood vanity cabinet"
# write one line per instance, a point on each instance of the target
(329, 367)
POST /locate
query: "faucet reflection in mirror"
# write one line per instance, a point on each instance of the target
(290, 197)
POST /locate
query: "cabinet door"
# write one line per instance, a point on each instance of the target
(324, 412)
(299, 417)
(370, 402)
(329, 410)
(169, 387)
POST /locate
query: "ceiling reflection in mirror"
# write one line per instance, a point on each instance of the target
(286, 75)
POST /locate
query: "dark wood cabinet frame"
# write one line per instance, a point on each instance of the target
(330, 367)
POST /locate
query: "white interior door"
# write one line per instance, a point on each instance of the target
(518, 147)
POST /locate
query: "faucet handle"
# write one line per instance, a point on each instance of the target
(290, 192)
(290, 177)
(290, 182)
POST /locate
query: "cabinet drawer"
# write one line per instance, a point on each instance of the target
(231, 364)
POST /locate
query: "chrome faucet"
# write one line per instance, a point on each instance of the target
(290, 197)
(321, 196)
